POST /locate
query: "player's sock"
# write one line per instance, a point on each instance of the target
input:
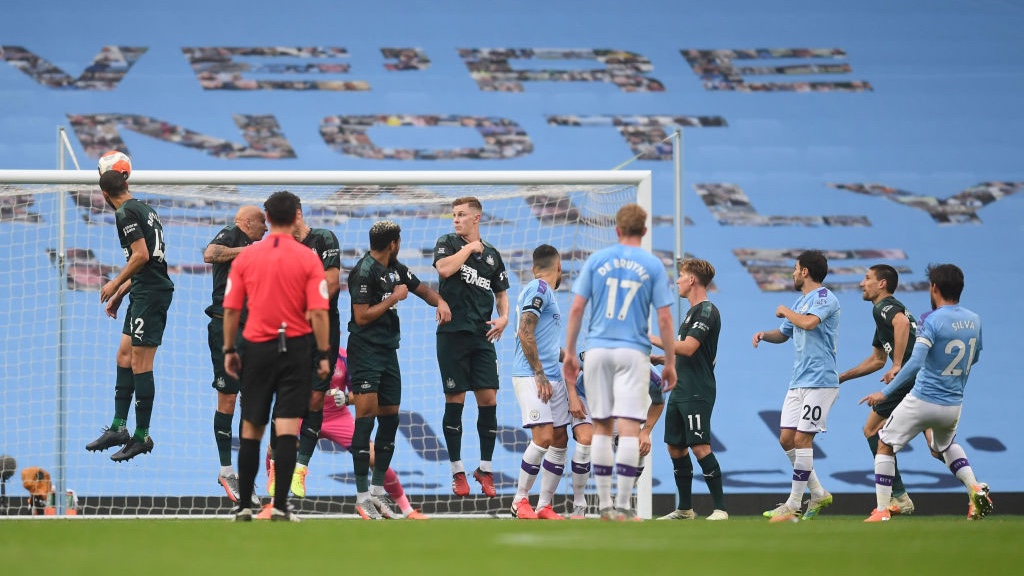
(145, 391)
(956, 459)
(627, 458)
(384, 447)
(603, 460)
(897, 481)
(222, 434)
(309, 435)
(528, 470)
(227, 470)
(580, 474)
(682, 469)
(273, 438)
(713, 478)
(361, 452)
(885, 467)
(551, 475)
(248, 465)
(394, 488)
(457, 467)
(124, 388)
(487, 427)
(486, 466)
(284, 466)
(817, 490)
(451, 422)
(803, 464)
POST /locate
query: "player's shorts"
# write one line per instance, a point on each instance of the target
(281, 379)
(915, 415)
(222, 381)
(885, 407)
(466, 361)
(688, 423)
(374, 369)
(616, 381)
(146, 317)
(574, 421)
(555, 411)
(806, 409)
(338, 426)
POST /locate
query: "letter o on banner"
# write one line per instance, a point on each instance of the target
(503, 138)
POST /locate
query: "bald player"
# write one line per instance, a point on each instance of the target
(249, 226)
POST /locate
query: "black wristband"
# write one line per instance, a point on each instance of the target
(323, 355)
(230, 351)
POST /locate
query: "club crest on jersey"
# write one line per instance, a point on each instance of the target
(450, 383)
(489, 260)
(534, 415)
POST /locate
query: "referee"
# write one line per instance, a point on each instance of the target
(287, 300)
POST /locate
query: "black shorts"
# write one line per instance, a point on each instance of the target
(885, 407)
(279, 378)
(146, 317)
(467, 362)
(688, 422)
(374, 369)
(222, 381)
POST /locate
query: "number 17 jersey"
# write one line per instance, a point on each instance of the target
(621, 283)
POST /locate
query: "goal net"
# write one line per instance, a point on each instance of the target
(60, 247)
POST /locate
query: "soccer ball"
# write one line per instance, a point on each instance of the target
(115, 160)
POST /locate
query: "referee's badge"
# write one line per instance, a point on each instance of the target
(323, 289)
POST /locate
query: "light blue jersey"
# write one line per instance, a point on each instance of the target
(948, 344)
(815, 362)
(621, 283)
(538, 298)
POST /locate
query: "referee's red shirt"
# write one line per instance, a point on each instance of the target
(282, 279)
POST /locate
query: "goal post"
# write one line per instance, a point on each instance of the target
(60, 246)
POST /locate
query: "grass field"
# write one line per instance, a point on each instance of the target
(829, 545)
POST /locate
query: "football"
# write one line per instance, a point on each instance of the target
(115, 160)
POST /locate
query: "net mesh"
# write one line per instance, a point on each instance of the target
(58, 359)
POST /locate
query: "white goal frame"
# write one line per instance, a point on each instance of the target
(640, 179)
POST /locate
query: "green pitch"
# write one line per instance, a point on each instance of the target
(828, 545)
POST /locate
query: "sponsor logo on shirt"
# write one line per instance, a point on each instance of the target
(471, 277)
(129, 229)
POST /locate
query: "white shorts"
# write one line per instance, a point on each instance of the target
(574, 421)
(806, 409)
(555, 411)
(617, 382)
(914, 415)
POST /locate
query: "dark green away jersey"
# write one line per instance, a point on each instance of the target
(696, 374)
(884, 312)
(230, 237)
(325, 244)
(136, 220)
(369, 283)
(470, 292)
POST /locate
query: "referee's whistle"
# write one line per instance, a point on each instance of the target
(282, 342)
